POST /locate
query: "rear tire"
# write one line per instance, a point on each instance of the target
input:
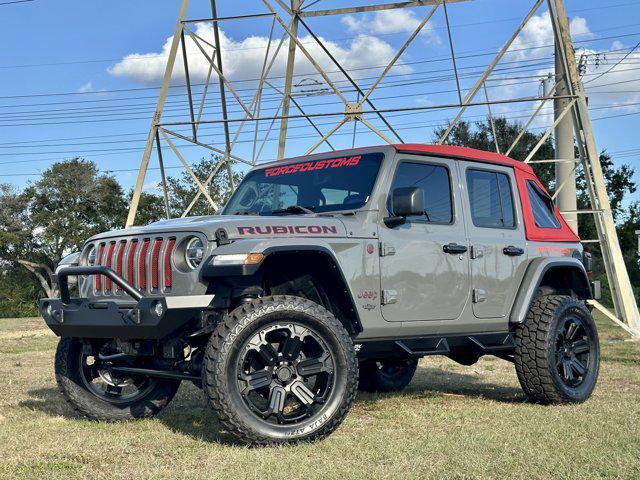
(71, 368)
(280, 369)
(391, 375)
(557, 352)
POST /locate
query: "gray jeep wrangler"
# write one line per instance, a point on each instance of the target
(324, 274)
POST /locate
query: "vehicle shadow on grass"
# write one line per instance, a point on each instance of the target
(435, 382)
(189, 414)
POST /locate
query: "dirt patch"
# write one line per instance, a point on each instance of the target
(25, 334)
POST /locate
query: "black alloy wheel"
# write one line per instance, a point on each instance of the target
(95, 391)
(109, 386)
(285, 373)
(574, 350)
(280, 369)
(387, 375)
(557, 355)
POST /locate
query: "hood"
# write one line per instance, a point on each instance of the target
(242, 226)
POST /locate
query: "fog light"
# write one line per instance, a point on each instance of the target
(158, 309)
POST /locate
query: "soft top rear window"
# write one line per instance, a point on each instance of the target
(333, 184)
(544, 214)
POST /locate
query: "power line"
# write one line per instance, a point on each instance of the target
(16, 1)
(616, 64)
(135, 89)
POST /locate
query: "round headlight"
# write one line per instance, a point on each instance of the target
(194, 253)
(92, 256)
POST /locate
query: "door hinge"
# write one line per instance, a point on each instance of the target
(389, 297)
(386, 249)
(476, 252)
(479, 295)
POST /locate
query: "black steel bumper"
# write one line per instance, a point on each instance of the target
(147, 317)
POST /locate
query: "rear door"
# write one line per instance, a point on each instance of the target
(424, 263)
(497, 238)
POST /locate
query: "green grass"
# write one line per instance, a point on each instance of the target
(452, 422)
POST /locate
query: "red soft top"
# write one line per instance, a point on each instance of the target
(524, 173)
(464, 153)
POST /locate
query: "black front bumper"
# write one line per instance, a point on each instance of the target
(146, 317)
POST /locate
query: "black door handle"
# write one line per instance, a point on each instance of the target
(454, 248)
(513, 251)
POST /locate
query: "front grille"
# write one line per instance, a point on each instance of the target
(143, 262)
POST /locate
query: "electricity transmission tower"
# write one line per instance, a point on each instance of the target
(292, 18)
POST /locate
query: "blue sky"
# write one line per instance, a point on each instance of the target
(71, 83)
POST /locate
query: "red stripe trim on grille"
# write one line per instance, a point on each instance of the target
(168, 273)
(119, 257)
(130, 261)
(155, 259)
(142, 265)
(108, 263)
(98, 278)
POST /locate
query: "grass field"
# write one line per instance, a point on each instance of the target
(452, 422)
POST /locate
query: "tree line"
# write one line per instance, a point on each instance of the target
(73, 200)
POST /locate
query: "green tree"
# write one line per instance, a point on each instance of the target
(55, 215)
(479, 135)
(182, 189)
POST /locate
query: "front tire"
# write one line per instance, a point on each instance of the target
(390, 375)
(280, 369)
(557, 351)
(99, 395)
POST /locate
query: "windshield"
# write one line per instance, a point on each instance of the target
(334, 184)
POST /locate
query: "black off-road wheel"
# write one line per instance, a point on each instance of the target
(280, 369)
(96, 393)
(389, 375)
(557, 351)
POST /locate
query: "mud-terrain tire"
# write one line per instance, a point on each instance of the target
(391, 375)
(557, 354)
(257, 359)
(72, 384)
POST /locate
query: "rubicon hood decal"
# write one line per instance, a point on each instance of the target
(288, 230)
(241, 226)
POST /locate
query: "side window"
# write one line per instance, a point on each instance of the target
(542, 207)
(435, 181)
(490, 199)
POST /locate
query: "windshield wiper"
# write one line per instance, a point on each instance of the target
(294, 209)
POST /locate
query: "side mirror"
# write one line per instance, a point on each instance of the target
(405, 202)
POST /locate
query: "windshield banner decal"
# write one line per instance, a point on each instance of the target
(314, 165)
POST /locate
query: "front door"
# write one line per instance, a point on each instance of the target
(424, 263)
(496, 233)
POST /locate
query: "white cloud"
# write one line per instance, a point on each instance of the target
(601, 90)
(87, 87)
(243, 59)
(538, 32)
(387, 22)
(152, 187)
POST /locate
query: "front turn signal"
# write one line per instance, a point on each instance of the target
(238, 259)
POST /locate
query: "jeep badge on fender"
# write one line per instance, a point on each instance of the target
(323, 275)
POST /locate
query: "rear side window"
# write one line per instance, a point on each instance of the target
(490, 199)
(434, 181)
(544, 215)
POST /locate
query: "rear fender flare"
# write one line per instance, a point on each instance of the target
(532, 281)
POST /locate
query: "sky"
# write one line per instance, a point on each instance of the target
(81, 78)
